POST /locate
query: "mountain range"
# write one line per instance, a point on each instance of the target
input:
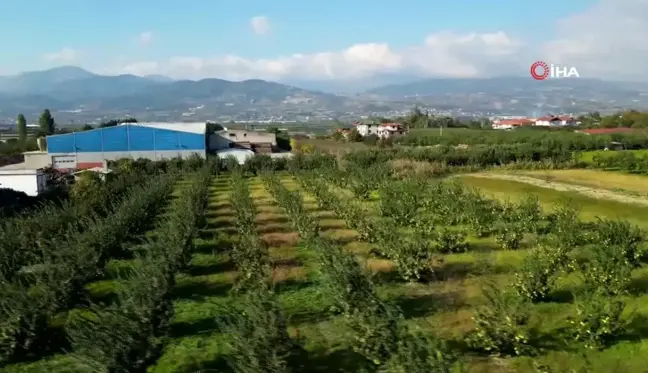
(73, 89)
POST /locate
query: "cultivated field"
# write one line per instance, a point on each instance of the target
(366, 272)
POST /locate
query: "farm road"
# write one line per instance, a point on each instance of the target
(564, 187)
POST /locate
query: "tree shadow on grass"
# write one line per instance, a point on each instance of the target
(339, 360)
(424, 305)
(202, 326)
(217, 365)
(561, 296)
(636, 330)
(200, 290)
(289, 286)
(223, 266)
(638, 286)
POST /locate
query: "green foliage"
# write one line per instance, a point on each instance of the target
(598, 321)
(418, 353)
(129, 334)
(21, 127)
(260, 340)
(40, 284)
(623, 236)
(510, 235)
(249, 253)
(401, 200)
(46, 123)
(501, 324)
(607, 270)
(450, 241)
(538, 273)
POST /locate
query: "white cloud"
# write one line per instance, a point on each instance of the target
(444, 54)
(606, 41)
(260, 25)
(64, 55)
(146, 37)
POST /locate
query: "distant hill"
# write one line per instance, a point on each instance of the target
(432, 87)
(68, 88)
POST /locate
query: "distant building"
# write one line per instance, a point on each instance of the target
(258, 142)
(382, 130)
(509, 124)
(556, 121)
(366, 128)
(155, 141)
(386, 130)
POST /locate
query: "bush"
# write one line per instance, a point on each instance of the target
(501, 324)
(598, 321)
(538, 273)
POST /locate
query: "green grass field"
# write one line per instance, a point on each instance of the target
(588, 157)
(590, 207)
(613, 181)
(443, 307)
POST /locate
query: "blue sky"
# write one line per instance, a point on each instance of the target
(105, 34)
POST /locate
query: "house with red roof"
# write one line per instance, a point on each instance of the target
(382, 130)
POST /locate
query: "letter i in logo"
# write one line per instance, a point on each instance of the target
(543, 74)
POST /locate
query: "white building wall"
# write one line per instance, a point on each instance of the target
(31, 183)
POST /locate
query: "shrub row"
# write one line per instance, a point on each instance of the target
(260, 339)
(28, 238)
(128, 335)
(31, 296)
(608, 251)
(566, 140)
(379, 335)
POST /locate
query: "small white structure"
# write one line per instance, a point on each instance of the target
(556, 121)
(30, 181)
(241, 155)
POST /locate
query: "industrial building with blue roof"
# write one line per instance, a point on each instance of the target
(154, 141)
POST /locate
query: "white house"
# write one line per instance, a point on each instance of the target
(555, 121)
(366, 129)
(387, 130)
(382, 130)
(509, 124)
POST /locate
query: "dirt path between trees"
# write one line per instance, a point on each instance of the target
(564, 187)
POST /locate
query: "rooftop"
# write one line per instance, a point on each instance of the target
(17, 168)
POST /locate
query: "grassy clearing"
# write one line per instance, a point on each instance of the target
(588, 157)
(590, 207)
(618, 182)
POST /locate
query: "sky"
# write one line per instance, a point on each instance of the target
(326, 39)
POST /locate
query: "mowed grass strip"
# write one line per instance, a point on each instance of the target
(202, 293)
(613, 181)
(591, 208)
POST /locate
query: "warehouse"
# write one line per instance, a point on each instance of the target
(155, 141)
